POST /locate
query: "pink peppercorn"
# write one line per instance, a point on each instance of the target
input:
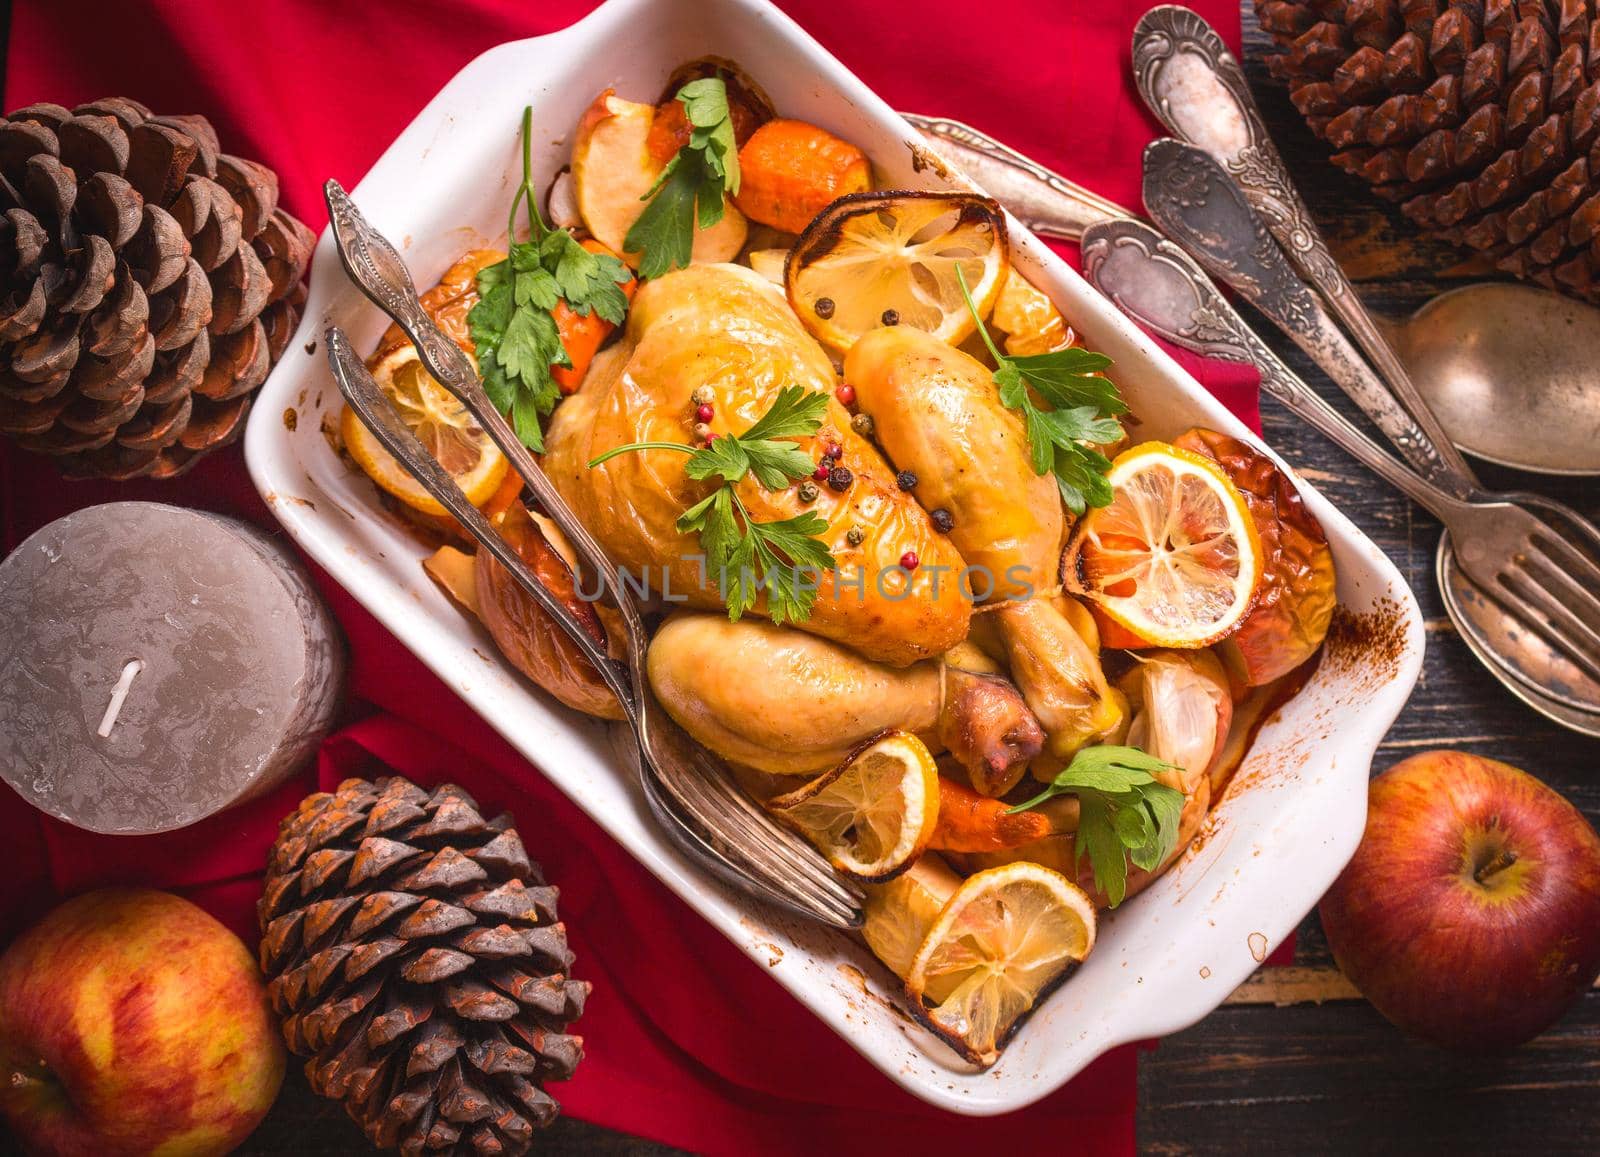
(705, 412)
(910, 561)
(821, 472)
(846, 394)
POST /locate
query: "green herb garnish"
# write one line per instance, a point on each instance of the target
(744, 554)
(1083, 408)
(1123, 813)
(690, 190)
(513, 326)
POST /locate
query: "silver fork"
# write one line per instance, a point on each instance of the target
(725, 829)
(1532, 562)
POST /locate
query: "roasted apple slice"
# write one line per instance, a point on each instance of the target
(613, 169)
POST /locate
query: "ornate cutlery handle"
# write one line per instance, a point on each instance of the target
(377, 414)
(1040, 198)
(1196, 89)
(381, 274)
(1195, 203)
(1158, 284)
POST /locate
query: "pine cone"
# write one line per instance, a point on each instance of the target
(413, 950)
(1482, 118)
(148, 281)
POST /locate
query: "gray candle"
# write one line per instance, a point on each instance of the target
(158, 665)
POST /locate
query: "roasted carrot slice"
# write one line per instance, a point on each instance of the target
(969, 822)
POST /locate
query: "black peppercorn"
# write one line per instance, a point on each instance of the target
(906, 480)
(891, 317)
(855, 536)
(943, 520)
(840, 478)
(824, 307)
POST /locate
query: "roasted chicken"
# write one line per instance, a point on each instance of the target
(724, 327)
(938, 414)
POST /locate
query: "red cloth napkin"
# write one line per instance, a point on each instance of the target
(689, 1043)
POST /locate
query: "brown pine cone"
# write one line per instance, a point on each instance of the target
(413, 950)
(1481, 118)
(148, 282)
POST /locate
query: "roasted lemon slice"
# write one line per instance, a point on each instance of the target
(440, 423)
(900, 912)
(873, 814)
(1175, 558)
(1002, 942)
(873, 259)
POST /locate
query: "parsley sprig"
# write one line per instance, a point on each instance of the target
(745, 555)
(690, 190)
(513, 324)
(1124, 815)
(1083, 408)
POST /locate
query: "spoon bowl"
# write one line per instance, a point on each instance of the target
(1511, 372)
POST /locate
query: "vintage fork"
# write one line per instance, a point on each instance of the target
(1532, 562)
(733, 835)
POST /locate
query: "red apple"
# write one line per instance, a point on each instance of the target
(1470, 914)
(133, 1023)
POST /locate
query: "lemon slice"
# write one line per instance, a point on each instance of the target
(873, 259)
(900, 912)
(1004, 940)
(1175, 558)
(441, 423)
(873, 815)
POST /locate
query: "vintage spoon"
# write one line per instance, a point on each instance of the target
(1482, 361)
(1195, 87)
(1507, 368)
(1161, 286)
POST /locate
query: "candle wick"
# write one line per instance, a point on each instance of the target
(119, 695)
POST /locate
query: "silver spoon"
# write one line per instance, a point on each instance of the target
(1500, 365)
(1510, 371)
(1507, 368)
(1158, 284)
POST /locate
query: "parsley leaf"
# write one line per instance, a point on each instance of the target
(1083, 408)
(783, 557)
(1124, 815)
(689, 191)
(513, 325)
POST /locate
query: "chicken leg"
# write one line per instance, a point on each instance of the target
(789, 703)
(937, 413)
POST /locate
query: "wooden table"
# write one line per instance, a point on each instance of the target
(1308, 1076)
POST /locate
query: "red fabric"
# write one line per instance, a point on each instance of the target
(688, 1041)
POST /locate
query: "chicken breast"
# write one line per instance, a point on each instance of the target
(724, 327)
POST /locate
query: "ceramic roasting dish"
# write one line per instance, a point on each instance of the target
(1291, 817)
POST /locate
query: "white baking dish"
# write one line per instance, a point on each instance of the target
(1283, 832)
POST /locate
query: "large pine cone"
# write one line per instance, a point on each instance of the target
(413, 950)
(148, 281)
(1481, 116)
